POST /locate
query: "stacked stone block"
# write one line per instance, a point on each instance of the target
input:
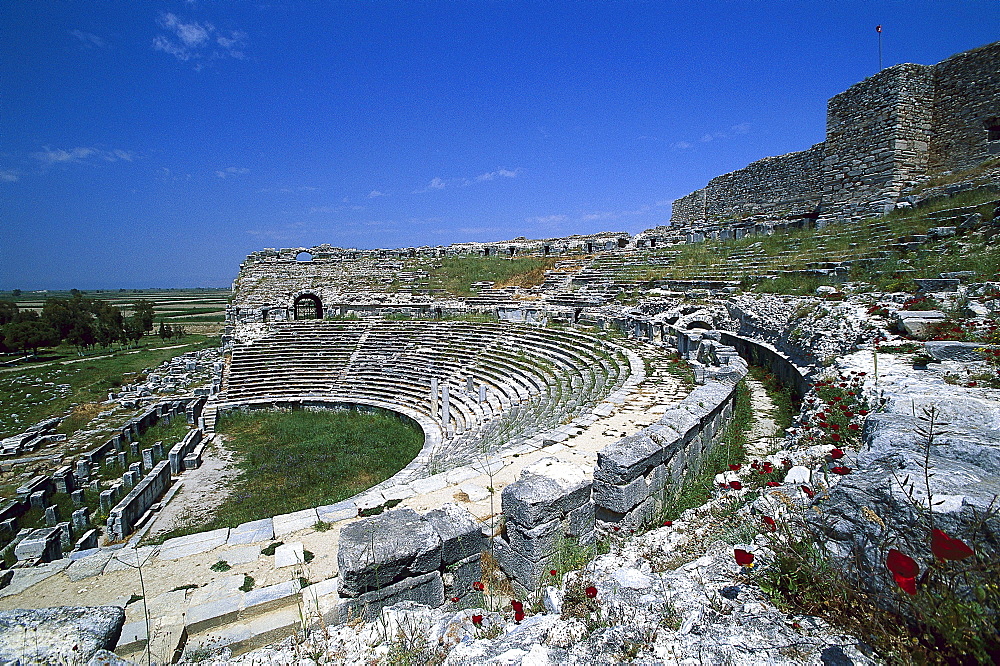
(401, 555)
(547, 506)
(635, 475)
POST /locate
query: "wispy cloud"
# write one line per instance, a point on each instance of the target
(499, 173)
(197, 41)
(547, 219)
(374, 194)
(49, 156)
(231, 171)
(442, 183)
(9, 176)
(89, 40)
(709, 137)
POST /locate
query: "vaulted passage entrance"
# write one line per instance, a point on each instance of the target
(307, 306)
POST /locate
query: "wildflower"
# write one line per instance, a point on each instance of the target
(904, 570)
(591, 592)
(454, 600)
(841, 470)
(945, 547)
(785, 462)
(835, 426)
(743, 558)
(735, 468)
(518, 615)
(767, 468)
(478, 586)
(863, 412)
(770, 524)
(837, 454)
(835, 437)
(853, 426)
(477, 620)
(668, 523)
(808, 491)
(773, 484)
(553, 572)
(518, 610)
(736, 485)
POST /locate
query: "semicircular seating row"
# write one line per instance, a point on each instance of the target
(535, 378)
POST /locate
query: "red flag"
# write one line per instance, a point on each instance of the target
(878, 28)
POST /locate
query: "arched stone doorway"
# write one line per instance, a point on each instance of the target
(307, 306)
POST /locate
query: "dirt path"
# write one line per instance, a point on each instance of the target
(760, 440)
(87, 358)
(201, 491)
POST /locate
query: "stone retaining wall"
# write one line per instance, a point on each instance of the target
(124, 516)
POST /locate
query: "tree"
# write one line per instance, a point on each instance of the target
(142, 313)
(8, 311)
(165, 332)
(33, 335)
(81, 335)
(16, 293)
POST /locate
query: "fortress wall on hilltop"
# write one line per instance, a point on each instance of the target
(883, 135)
(877, 136)
(966, 104)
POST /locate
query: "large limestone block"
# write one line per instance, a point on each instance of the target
(68, 634)
(383, 549)
(627, 459)
(546, 490)
(461, 535)
(427, 589)
(919, 323)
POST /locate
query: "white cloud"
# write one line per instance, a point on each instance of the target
(197, 41)
(9, 176)
(682, 145)
(49, 156)
(499, 173)
(375, 193)
(436, 184)
(231, 171)
(547, 219)
(89, 40)
(742, 128)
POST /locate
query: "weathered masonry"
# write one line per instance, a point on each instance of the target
(882, 135)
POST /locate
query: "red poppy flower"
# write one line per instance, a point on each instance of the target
(743, 558)
(767, 468)
(863, 412)
(945, 547)
(736, 485)
(518, 615)
(454, 600)
(853, 426)
(668, 523)
(841, 470)
(862, 374)
(735, 468)
(835, 437)
(477, 620)
(849, 415)
(616, 528)
(835, 426)
(552, 572)
(808, 491)
(773, 484)
(770, 524)
(904, 570)
(516, 605)
(591, 592)
(837, 454)
(786, 462)
(478, 586)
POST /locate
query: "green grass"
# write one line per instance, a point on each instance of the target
(455, 275)
(296, 460)
(786, 404)
(31, 393)
(698, 483)
(797, 249)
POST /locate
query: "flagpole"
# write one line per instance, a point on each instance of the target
(878, 29)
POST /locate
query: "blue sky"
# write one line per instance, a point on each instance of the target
(156, 144)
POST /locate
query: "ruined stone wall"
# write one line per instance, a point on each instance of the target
(883, 134)
(877, 136)
(966, 100)
(689, 210)
(784, 186)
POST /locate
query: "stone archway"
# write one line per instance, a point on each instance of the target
(308, 306)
